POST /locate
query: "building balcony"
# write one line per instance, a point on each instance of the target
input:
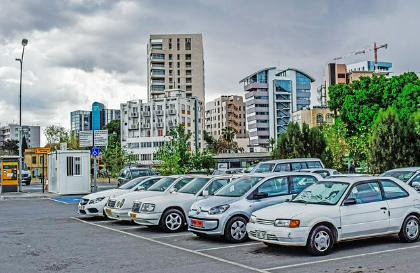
(134, 114)
(146, 114)
(255, 86)
(159, 112)
(145, 126)
(159, 125)
(172, 112)
(134, 126)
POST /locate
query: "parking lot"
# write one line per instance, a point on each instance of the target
(44, 235)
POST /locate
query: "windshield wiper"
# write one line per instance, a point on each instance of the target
(322, 203)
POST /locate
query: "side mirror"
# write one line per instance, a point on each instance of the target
(261, 195)
(415, 185)
(141, 188)
(173, 190)
(205, 193)
(350, 201)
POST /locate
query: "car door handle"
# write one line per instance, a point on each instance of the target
(384, 208)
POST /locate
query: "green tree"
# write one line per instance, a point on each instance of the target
(173, 155)
(11, 146)
(202, 161)
(24, 144)
(290, 143)
(55, 135)
(114, 158)
(228, 134)
(337, 147)
(386, 142)
(210, 141)
(114, 130)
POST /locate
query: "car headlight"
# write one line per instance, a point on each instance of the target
(218, 209)
(97, 200)
(148, 207)
(120, 203)
(253, 219)
(286, 223)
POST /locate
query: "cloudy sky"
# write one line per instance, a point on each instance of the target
(81, 51)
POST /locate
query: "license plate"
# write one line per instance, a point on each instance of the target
(197, 223)
(82, 207)
(261, 235)
(133, 215)
(108, 211)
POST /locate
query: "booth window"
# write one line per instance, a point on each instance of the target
(74, 165)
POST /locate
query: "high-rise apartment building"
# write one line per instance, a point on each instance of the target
(175, 61)
(11, 132)
(272, 96)
(81, 120)
(226, 111)
(145, 125)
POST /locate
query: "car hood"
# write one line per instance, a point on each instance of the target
(107, 193)
(130, 197)
(172, 197)
(213, 201)
(289, 210)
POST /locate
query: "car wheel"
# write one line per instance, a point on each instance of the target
(409, 232)
(28, 183)
(173, 221)
(235, 231)
(320, 241)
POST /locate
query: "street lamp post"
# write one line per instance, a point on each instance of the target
(24, 43)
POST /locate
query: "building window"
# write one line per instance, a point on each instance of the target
(187, 43)
(74, 165)
(179, 73)
(34, 160)
(177, 44)
(341, 76)
(156, 56)
(170, 57)
(319, 119)
(160, 132)
(188, 88)
(188, 80)
(188, 57)
(188, 72)
(170, 43)
(188, 64)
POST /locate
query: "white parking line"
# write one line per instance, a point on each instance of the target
(58, 201)
(138, 227)
(176, 247)
(222, 247)
(341, 258)
(173, 235)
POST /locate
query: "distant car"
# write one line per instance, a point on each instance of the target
(324, 172)
(409, 175)
(332, 211)
(26, 177)
(118, 207)
(227, 171)
(93, 204)
(128, 173)
(227, 212)
(169, 212)
(287, 165)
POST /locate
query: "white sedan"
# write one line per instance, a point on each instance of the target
(117, 208)
(169, 212)
(93, 204)
(337, 210)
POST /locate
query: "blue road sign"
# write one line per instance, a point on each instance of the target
(95, 152)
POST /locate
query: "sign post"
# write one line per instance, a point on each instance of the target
(43, 151)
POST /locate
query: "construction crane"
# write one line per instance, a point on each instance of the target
(365, 49)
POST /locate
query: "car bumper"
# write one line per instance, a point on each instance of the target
(148, 219)
(92, 209)
(278, 235)
(118, 214)
(210, 226)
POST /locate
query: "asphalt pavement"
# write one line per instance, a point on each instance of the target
(47, 235)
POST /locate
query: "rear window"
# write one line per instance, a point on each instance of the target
(264, 168)
(314, 164)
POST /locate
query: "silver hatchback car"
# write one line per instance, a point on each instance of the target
(228, 211)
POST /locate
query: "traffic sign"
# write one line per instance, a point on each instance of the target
(85, 139)
(101, 137)
(95, 152)
(42, 150)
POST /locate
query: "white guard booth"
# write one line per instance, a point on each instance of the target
(69, 172)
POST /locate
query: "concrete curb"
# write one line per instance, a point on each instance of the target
(26, 196)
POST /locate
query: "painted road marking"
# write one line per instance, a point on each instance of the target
(341, 258)
(70, 199)
(223, 247)
(174, 235)
(177, 247)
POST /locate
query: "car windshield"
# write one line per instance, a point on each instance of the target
(323, 193)
(195, 185)
(238, 187)
(401, 175)
(162, 184)
(131, 184)
(264, 168)
(218, 172)
(249, 169)
(138, 173)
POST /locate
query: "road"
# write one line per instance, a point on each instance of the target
(41, 235)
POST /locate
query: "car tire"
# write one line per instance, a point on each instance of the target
(410, 229)
(28, 183)
(320, 241)
(235, 230)
(173, 220)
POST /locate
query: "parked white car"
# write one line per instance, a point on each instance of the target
(169, 212)
(93, 204)
(336, 210)
(118, 208)
(227, 212)
(324, 172)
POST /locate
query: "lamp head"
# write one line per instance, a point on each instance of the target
(24, 42)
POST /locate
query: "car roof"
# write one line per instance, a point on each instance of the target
(412, 169)
(356, 179)
(303, 159)
(316, 169)
(276, 174)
